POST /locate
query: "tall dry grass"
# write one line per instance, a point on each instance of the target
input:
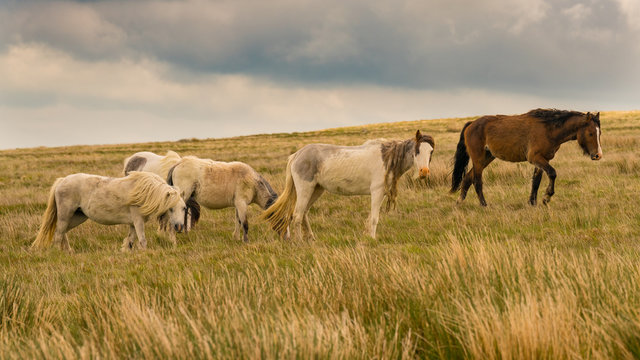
(441, 281)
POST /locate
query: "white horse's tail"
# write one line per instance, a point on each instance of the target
(49, 220)
(279, 214)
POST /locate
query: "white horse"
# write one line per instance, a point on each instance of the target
(108, 201)
(371, 168)
(218, 185)
(150, 162)
(160, 165)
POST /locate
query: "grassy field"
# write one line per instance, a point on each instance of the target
(440, 281)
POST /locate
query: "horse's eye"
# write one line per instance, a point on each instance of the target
(170, 210)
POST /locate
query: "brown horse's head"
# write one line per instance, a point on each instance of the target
(589, 137)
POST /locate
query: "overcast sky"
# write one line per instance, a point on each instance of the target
(93, 72)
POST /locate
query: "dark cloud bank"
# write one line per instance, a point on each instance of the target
(586, 51)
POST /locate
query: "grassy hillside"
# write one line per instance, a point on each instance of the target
(441, 280)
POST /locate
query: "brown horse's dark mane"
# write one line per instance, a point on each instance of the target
(556, 117)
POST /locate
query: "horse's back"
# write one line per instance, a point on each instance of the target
(80, 188)
(218, 183)
(82, 180)
(505, 137)
(140, 161)
(194, 165)
(339, 169)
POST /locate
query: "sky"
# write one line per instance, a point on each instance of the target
(101, 72)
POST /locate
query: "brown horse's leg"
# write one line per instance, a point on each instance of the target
(551, 173)
(469, 178)
(535, 184)
(478, 167)
(477, 184)
(466, 183)
(543, 164)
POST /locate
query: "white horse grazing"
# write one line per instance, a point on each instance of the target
(160, 165)
(371, 168)
(218, 185)
(150, 162)
(109, 201)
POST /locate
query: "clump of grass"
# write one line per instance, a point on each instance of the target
(628, 166)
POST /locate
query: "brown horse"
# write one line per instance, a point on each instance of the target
(534, 137)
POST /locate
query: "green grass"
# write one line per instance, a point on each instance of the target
(440, 281)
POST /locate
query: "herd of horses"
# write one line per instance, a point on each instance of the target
(172, 188)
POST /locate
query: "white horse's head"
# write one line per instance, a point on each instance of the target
(423, 150)
(177, 215)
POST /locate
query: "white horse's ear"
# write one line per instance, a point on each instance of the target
(418, 135)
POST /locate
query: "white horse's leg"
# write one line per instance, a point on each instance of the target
(165, 229)
(62, 225)
(127, 244)
(305, 219)
(376, 200)
(304, 192)
(64, 244)
(187, 226)
(138, 224)
(238, 222)
(172, 236)
(241, 219)
(306, 228)
(75, 220)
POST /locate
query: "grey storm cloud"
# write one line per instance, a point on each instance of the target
(223, 68)
(522, 45)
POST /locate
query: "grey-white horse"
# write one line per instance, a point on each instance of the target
(108, 201)
(218, 185)
(372, 168)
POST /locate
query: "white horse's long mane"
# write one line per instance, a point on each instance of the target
(152, 194)
(168, 161)
(394, 154)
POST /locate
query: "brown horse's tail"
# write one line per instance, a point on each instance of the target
(49, 220)
(279, 214)
(460, 161)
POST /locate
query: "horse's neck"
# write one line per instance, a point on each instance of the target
(407, 158)
(570, 129)
(408, 161)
